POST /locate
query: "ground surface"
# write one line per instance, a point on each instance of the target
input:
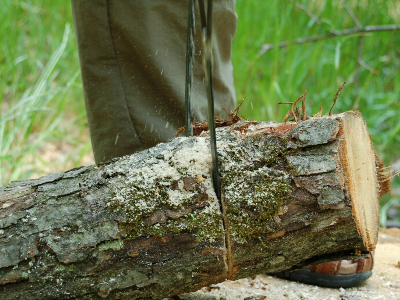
(383, 284)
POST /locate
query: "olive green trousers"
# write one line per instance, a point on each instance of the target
(132, 56)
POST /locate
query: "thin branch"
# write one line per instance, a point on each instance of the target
(309, 13)
(332, 34)
(352, 15)
(368, 67)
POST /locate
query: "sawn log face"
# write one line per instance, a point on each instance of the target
(149, 226)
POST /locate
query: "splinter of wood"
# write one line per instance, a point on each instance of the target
(336, 96)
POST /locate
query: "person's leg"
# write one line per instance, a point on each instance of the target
(132, 56)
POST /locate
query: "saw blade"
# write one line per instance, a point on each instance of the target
(206, 21)
(206, 24)
(189, 69)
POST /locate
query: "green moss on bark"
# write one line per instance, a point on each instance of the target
(252, 203)
(256, 188)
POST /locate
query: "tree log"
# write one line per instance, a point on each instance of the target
(149, 226)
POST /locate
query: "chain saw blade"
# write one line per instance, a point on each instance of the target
(206, 24)
(189, 69)
(206, 21)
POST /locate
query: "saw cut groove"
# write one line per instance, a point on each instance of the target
(228, 243)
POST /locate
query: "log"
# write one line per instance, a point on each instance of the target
(149, 226)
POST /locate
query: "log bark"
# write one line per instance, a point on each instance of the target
(148, 226)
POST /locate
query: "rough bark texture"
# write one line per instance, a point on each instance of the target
(149, 226)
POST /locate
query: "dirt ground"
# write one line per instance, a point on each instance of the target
(384, 283)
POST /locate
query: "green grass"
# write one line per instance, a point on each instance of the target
(40, 91)
(41, 95)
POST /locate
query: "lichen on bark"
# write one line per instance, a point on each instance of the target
(255, 188)
(171, 191)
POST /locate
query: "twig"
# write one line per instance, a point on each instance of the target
(368, 67)
(309, 13)
(352, 15)
(331, 34)
(336, 96)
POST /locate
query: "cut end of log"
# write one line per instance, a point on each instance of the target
(367, 179)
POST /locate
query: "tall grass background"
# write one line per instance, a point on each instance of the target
(41, 96)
